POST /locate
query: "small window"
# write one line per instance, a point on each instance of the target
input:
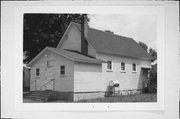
(109, 65)
(37, 72)
(122, 66)
(62, 70)
(134, 67)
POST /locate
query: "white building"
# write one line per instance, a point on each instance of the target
(83, 64)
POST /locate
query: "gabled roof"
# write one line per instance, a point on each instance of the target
(114, 44)
(69, 55)
(76, 56)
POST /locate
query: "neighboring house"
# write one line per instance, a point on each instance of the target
(84, 63)
(26, 78)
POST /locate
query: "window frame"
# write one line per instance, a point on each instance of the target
(62, 70)
(134, 66)
(109, 68)
(123, 68)
(37, 72)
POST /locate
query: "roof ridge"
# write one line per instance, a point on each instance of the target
(121, 45)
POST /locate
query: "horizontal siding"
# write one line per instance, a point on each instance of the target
(128, 79)
(63, 84)
(73, 42)
(87, 77)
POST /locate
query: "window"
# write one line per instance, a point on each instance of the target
(109, 65)
(62, 70)
(134, 67)
(37, 72)
(122, 66)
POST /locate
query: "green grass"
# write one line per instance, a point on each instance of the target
(127, 98)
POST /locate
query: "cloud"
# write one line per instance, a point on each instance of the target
(139, 27)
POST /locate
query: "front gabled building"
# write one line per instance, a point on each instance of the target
(86, 61)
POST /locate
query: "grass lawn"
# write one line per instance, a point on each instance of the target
(126, 98)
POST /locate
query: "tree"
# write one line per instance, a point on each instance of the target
(153, 53)
(143, 45)
(41, 30)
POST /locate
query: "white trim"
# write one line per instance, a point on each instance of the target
(88, 61)
(124, 67)
(122, 71)
(109, 70)
(70, 58)
(47, 48)
(74, 59)
(61, 54)
(37, 56)
(134, 71)
(25, 66)
(133, 68)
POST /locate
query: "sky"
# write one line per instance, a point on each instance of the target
(139, 27)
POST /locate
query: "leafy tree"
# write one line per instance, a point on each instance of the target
(153, 53)
(143, 45)
(41, 30)
(153, 71)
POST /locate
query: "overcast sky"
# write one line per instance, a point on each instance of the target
(139, 27)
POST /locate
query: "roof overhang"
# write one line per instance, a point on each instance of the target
(110, 53)
(45, 49)
(90, 61)
(68, 57)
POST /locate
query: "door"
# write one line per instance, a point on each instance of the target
(48, 81)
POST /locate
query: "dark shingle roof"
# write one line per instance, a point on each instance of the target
(76, 56)
(114, 44)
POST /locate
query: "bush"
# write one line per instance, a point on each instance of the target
(153, 81)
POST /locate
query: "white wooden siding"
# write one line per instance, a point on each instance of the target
(87, 77)
(73, 42)
(62, 83)
(128, 79)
